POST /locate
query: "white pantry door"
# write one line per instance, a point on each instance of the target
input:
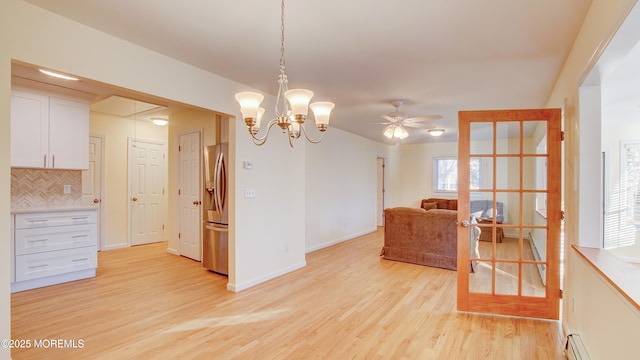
(92, 182)
(146, 183)
(189, 192)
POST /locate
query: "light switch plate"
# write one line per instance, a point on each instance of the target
(249, 193)
(67, 189)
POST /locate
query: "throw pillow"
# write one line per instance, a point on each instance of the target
(488, 214)
(429, 205)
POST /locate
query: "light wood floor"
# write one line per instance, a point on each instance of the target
(346, 304)
(507, 274)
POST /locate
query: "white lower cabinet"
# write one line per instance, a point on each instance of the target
(54, 247)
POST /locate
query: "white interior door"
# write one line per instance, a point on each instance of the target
(146, 181)
(92, 182)
(189, 195)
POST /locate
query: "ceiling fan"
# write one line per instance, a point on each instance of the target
(397, 121)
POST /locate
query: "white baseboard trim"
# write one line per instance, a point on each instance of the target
(239, 287)
(173, 251)
(342, 239)
(52, 280)
(116, 246)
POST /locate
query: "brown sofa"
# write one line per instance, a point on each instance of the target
(421, 237)
(481, 209)
(438, 203)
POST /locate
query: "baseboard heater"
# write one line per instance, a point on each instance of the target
(542, 269)
(575, 349)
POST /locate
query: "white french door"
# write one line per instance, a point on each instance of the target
(515, 259)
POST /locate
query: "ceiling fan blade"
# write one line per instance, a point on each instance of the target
(417, 125)
(381, 123)
(389, 118)
(424, 118)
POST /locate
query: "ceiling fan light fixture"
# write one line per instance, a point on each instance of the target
(436, 132)
(388, 132)
(400, 132)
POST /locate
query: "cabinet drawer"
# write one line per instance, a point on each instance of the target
(31, 241)
(62, 218)
(40, 265)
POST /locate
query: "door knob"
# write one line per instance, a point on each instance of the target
(465, 223)
(95, 201)
(135, 199)
(197, 202)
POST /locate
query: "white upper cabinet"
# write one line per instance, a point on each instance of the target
(48, 132)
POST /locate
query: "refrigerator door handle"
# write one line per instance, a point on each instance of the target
(220, 181)
(217, 228)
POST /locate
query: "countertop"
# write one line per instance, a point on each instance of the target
(53, 209)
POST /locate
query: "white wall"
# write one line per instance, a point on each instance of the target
(341, 186)
(411, 172)
(269, 229)
(5, 182)
(115, 204)
(261, 227)
(606, 322)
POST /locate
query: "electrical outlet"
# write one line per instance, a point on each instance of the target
(67, 189)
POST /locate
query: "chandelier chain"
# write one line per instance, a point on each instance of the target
(282, 38)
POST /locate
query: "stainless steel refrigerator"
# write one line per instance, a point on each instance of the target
(215, 253)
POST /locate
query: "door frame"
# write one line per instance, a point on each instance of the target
(380, 187)
(130, 141)
(202, 205)
(102, 244)
(547, 307)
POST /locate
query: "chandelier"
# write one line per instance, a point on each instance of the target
(291, 107)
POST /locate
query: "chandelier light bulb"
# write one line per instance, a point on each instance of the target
(249, 104)
(322, 111)
(299, 100)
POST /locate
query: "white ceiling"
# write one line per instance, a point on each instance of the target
(440, 56)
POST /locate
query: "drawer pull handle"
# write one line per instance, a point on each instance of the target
(38, 221)
(80, 218)
(78, 260)
(79, 236)
(38, 266)
(38, 240)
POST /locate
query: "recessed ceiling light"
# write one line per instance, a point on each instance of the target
(160, 121)
(436, 132)
(56, 75)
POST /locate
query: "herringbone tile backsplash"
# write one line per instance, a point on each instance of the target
(44, 188)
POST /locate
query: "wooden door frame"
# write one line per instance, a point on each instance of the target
(549, 306)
